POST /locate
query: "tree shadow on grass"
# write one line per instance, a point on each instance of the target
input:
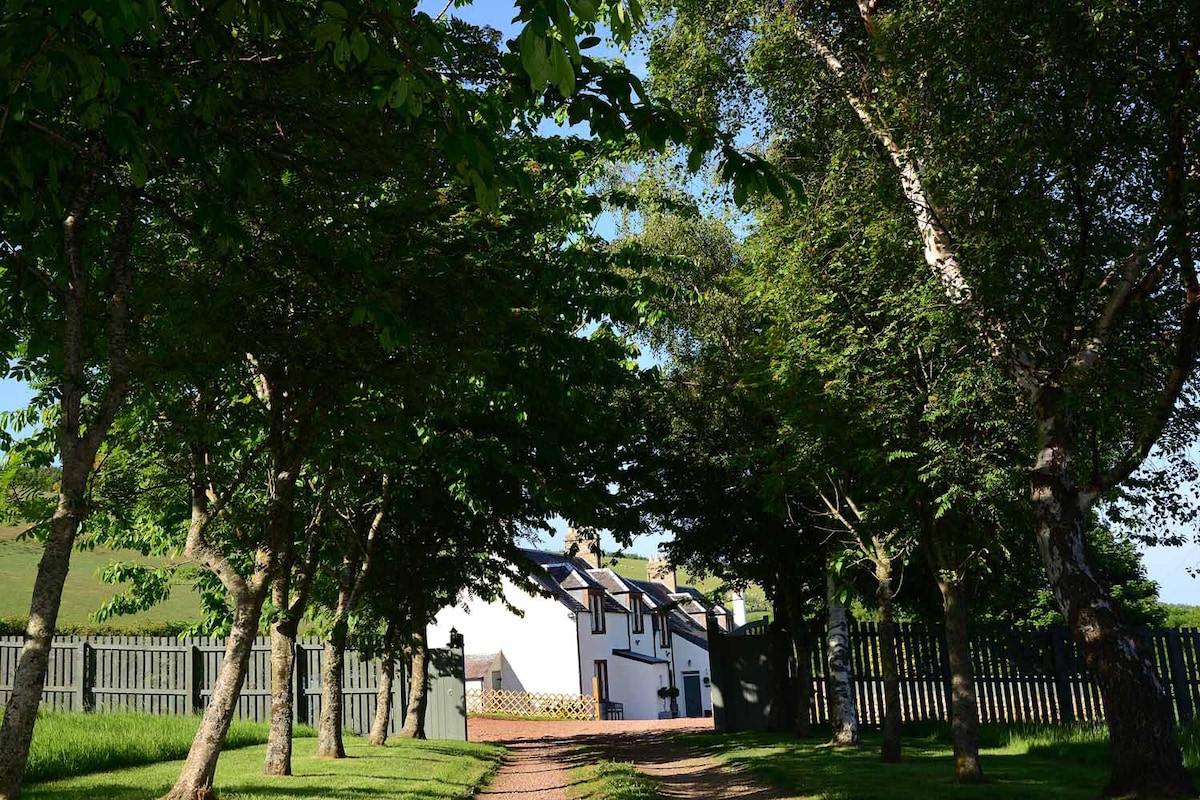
(806, 769)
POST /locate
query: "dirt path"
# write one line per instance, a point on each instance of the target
(542, 754)
(684, 774)
(532, 771)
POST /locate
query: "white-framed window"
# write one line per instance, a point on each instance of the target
(596, 607)
(637, 608)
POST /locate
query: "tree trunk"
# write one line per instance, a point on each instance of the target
(964, 705)
(1146, 758)
(802, 688)
(20, 713)
(890, 751)
(78, 441)
(781, 709)
(843, 716)
(196, 780)
(290, 608)
(414, 719)
(387, 674)
(278, 760)
(329, 731)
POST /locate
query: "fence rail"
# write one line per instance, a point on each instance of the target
(1020, 676)
(531, 704)
(169, 675)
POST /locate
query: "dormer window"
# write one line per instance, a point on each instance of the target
(662, 629)
(637, 608)
(596, 607)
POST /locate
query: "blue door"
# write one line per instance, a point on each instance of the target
(692, 704)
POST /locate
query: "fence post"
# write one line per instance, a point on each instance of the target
(196, 686)
(85, 699)
(1179, 676)
(189, 678)
(1062, 678)
(299, 679)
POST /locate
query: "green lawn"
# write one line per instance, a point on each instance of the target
(1031, 764)
(610, 780)
(404, 770)
(84, 593)
(72, 744)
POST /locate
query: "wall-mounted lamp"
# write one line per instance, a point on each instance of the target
(456, 639)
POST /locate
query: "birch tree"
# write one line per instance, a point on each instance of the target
(1043, 177)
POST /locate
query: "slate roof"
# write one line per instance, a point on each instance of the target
(609, 580)
(560, 575)
(681, 624)
(704, 601)
(552, 587)
(479, 665)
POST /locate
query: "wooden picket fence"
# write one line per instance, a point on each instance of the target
(1020, 676)
(531, 704)
(170, 675)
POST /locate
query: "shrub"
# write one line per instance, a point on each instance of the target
(15, 626)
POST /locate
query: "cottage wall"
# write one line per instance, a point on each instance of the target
(539, 649)
(687, 657)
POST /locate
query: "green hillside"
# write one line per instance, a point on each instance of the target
(1181, 616)
(84, 593)
(635, 567)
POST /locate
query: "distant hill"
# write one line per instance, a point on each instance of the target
(634, 566)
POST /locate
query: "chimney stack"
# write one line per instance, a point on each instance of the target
(583, 543)
(738, 606)
(659, 570)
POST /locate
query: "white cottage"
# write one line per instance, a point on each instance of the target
(582, 621)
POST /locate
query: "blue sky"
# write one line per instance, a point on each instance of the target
(1167, 565)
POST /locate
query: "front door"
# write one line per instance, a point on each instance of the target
(692, 704)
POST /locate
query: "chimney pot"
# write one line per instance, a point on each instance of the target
(583, 543)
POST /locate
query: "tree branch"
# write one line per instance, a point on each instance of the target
(939, 249)
(118, 327)
(360, 582)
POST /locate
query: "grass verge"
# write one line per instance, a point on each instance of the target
(403, 770)
(1027, 762)
(72, 744)
(611, 780)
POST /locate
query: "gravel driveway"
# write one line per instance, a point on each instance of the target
(542, 754)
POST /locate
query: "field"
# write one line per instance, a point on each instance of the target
(84, 593)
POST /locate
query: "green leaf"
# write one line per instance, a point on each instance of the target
(561, 71)
(586, 10)
(533, 57)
